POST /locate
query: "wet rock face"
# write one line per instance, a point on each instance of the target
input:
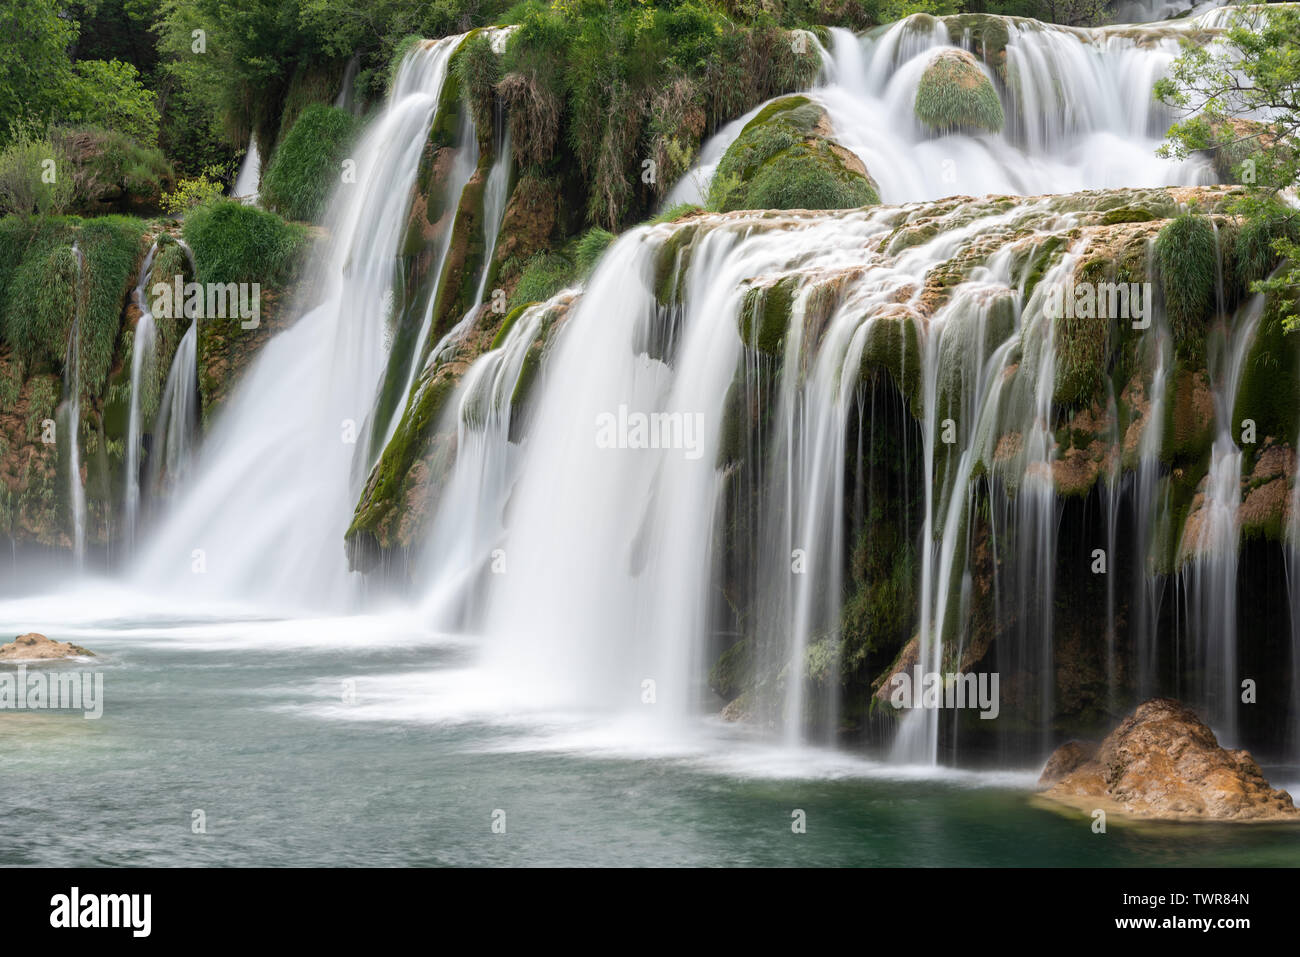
(1163, 762)
(34, 647)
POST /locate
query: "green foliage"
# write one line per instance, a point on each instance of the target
(112, 246)
(544, 275)
(479, 72)
(110, 169)
(305, 167)
(35, 177)
(780, 162)
(590, 248)
(1219, 94)
(34, 68)
(237, 243)
(955, 94)
(110, 95)
(1189, 259)
(193, 191)
(674, 213)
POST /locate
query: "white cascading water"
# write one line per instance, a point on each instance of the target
(264, 514)
(1212, 543)
(143, 356)
(1080, 115)
(176, 430)
(69, 424)
(495, 195)
(248, 180)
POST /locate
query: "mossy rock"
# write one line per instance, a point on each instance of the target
(765, 316)
(785, 158)
(733, 671)
(1189, 417)
(954, 94)
(893, 345)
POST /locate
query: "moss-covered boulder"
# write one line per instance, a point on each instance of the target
(786, 158)
(955, 94)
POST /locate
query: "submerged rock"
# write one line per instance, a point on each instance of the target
(34, 647)
(1163, 762)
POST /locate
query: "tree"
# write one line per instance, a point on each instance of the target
(35, 70)
(1239, 101)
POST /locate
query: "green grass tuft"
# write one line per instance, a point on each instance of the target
(306, 165)
(1188, 255)
(955, 94)
(237, 243)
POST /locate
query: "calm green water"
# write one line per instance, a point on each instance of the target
(247, 722)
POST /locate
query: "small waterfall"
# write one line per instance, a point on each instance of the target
(264, 513)
(176, 431)
(466, 161)
(495, 195)
(249, 177)
(470, 526)
(347, 96)
(1211, 541)
(142, 364)
(69, 425)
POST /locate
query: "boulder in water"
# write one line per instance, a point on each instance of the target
(34, 647)
(954, 94)
(1164, 763)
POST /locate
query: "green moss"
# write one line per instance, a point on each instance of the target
(765, 316)
(781, 161)
(1269, 392)
(307, 163)
(954, 94)
(1127, 214)
(1188, 255)
(478, 71)
(893, 345)
(733, 670)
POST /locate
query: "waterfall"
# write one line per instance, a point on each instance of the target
(495, 195)
(1079, 107)
(347, 98)
(463, 166)
(69, 414)
(1211, 541)
(177, 427)
(249, 177)
(264, 513)
(143, 350)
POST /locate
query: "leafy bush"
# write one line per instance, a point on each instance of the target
(194, 191)
(35, 177)
(305, 166)
(109, 95)
(237, 243)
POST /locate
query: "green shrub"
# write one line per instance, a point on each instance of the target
(112, 246)
(479, 72)
(1189, 257)
(237, 243)
(305, 167)
(109, 94)
(24, 167)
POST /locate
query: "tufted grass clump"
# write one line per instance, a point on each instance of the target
(1188, 255)
(302, 173)
(954, 94)
(237, 243)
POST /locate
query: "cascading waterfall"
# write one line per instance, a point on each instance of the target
(177, 428)
(263, 515)
(495, 195)
(143, 351)
(1212, 543)
(69, 426)
(1079, 107)
(249, 177)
